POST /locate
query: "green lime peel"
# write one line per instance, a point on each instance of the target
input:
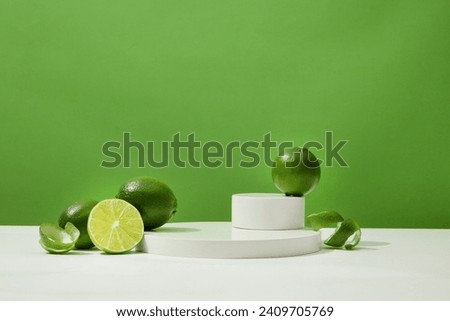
(56, 240)
(345, 228)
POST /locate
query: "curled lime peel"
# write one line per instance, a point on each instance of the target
(56, 240)
(343, 232)
(345, 229)
(324, 219)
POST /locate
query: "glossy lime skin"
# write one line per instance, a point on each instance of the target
(297, 172)
(154, 200)
(78, 214)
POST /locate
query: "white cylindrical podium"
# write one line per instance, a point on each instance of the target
(220, 240)
(261, 211)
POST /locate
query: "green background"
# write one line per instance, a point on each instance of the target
(75, 74)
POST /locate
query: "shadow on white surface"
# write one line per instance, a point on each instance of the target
(175, 230)
(133, 252)
(373, 243)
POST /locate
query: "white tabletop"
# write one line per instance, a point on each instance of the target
(389, 264)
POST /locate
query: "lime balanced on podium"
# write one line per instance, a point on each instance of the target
(296, 172)
(113, 225)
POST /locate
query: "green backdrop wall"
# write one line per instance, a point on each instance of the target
(74, 75)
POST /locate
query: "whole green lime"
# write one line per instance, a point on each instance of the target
(78, 214)
(296, 172)
(154, 200)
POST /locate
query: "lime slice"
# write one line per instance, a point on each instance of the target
(115, 226)
(324, 219)
(56, 240)
(343, 232)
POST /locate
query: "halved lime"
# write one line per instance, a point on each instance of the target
(115, 226)
(56, 240)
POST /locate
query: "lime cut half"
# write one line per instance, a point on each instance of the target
(115, 226)
(56, 240)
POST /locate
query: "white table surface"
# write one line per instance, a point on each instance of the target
(389, 264)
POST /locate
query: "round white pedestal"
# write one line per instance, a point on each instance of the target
(259, 211)
(221, 240)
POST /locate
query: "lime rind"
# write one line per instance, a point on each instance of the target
(70, 229)
(56, 240)
(77, 213)
(324, 219)
(51, 248)
(343, 232)
(355, 241)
